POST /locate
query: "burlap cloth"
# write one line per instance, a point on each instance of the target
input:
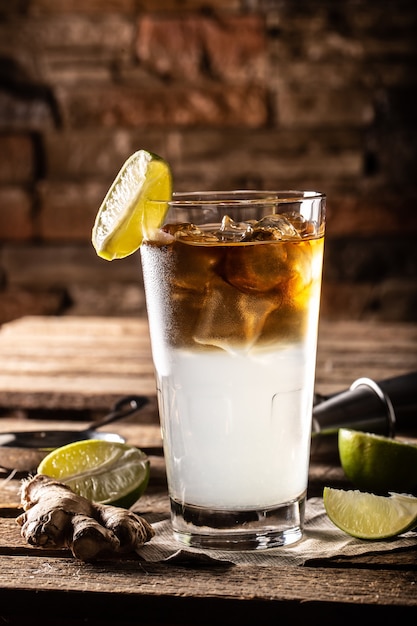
(322, 539)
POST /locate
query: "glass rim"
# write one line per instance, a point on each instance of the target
(243, 196)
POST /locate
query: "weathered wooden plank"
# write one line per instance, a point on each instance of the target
(81, 326)
(83, 384)
(382, 587)
(349, 350)
(74, 363)
(70, 362)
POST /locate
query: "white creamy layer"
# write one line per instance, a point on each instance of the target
(236, 428)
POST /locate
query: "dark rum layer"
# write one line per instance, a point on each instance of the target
(245, 294)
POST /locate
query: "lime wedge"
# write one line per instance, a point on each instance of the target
(368, 516)
(136, 202)
(101, 471)
(378, 464)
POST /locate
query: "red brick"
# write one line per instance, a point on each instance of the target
(30, 112)
(128, 6)
(68, 211)
(233, 94)
(265, 158)
(311, 105)
(209, 105)
(232, 48)
(43, 265)
(48, 7)
(17, 158)
(377, 212)
(69, 35)
(237, 48)
(15, 214)
(96, 154)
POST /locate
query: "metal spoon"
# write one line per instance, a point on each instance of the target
(23, 451)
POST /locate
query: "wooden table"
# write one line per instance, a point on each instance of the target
(63, 372)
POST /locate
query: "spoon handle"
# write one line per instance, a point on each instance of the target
(122, 408)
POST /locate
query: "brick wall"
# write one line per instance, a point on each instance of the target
(234, 93)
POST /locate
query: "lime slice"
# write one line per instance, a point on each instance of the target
(368, 516)
(378, 464)
(102, 471)
(136, 202)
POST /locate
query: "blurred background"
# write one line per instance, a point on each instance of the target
(309, 94)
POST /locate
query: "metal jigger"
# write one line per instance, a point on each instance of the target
(387, 407)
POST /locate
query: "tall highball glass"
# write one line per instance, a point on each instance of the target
(232, 284)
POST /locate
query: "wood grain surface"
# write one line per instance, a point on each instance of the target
(63, 372)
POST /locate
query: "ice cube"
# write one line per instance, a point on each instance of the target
(232, 320)
(190, 232)
(233, 231)
(275, 227)
(193, 265)
(304, 227)
(256, 268)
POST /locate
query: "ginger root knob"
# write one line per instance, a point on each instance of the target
(56, 517)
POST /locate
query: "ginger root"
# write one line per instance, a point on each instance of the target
(56, 517)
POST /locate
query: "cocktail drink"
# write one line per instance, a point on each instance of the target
(232, 284)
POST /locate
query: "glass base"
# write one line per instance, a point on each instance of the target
(201, 527)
